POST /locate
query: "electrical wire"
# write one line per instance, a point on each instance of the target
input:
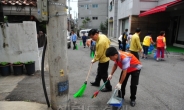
(42, 73)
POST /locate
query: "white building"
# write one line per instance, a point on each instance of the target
(149, 15)
(95, 10)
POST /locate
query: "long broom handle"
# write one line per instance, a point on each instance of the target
(89, 72)
(103, 85)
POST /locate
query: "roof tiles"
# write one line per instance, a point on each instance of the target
(19, 2)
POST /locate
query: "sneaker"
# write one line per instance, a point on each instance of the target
(132, 103)
(162, 59)
(157, 59)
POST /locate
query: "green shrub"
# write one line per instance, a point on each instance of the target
(4, 63)
(29, 62)
(17, 63)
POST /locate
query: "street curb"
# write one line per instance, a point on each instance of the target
(111, 39)
(21, 105)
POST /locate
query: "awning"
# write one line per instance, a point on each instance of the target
(160, 8)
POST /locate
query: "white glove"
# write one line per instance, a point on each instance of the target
(118, 86)
(165, 47)
(109, 77)
(92, 61)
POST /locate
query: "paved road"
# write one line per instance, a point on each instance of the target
(161, 85)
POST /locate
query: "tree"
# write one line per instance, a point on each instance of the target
(87, 19)
(104, 27)
(85, 22)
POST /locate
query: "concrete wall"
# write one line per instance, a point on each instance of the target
(101, 12)
(133, 7)
(164, 1)
(125, 8)
(21, 43)
(144, 6)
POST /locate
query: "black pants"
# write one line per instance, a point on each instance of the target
(145, 48)
(124, 46)
(136, 54)
(102, 73)
(133, 86)
(84, 43)
(74, 46)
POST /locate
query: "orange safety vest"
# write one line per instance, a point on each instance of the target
(160, 41)
(135, 64)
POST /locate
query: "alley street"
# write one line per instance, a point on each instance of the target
(161, 84)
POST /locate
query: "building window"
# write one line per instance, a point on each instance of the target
(95, 18)
(122, 0)
(95, 5)
(82, 6)
(110, 6)
(87, 6)
(82, 17)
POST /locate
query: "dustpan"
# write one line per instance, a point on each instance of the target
(115, 101)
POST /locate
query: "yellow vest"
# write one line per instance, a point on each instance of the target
(147, 41)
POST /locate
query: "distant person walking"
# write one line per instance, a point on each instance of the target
(124, 39)
(84, 37)
(129, 40)
(41, 41)
(120, 42)
(73, 39)
(102, 43)
(161, 45)
(92, 47)
(135, 45)
(146, 43)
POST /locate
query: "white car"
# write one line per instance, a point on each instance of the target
(85, 31)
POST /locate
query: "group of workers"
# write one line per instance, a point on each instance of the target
(128, 62)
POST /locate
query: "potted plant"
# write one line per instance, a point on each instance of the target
(18, 68)
(5, 69)
(30, 67)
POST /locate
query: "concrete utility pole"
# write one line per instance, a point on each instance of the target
(57, 54)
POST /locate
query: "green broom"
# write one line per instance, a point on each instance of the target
(76, 47)
(80, 43)
(80, 92)
(92, 54)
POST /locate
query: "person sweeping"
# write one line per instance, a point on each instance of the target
(130, 65)
(102, 43)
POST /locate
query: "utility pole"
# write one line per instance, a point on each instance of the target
(57, 54)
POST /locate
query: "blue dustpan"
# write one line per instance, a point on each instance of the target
(115, 101)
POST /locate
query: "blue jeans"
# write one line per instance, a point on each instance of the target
(145, 48)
